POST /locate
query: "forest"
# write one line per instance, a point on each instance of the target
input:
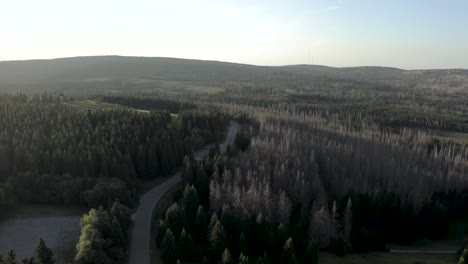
(52, 153)
(350, 190)
(336, 160)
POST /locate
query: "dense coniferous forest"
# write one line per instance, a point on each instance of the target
(307, 182)
(338, 160)
(52, 153)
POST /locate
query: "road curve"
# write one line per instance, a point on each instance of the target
(142, 219)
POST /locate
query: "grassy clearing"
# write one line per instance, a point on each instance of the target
(388, 258)
(176, 86)
(457, 137)
(58, 225)
(98, 105)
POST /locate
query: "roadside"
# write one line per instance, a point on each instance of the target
(141, 234)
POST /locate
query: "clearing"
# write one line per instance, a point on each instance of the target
(59, 226)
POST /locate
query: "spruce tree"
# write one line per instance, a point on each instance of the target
(200, 226)
(44, 255)
(29, 260)
(169, 248)
(226, 257)
(217, 238)
(288, 251)
(186, 249)
(312, 253)
(243, 259)
(348, 218)
(11, 258)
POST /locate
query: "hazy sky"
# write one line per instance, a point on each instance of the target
(400, 33)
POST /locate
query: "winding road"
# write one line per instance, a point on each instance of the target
(142, 219)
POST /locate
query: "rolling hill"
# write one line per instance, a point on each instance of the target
(143, 74)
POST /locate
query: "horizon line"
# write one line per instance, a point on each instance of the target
(230, 62)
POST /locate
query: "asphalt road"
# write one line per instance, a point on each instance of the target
(142, 219)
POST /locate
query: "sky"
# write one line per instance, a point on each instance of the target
(409, 34)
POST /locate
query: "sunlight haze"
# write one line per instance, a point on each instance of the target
(405, 34)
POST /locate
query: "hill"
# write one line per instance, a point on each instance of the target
(143, 74)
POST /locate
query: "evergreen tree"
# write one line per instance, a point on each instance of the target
(190, 202)
(200, 225)
(122, 213)
(226, 257)
(11, 258)
(288, 251)
(463, 257)
(213, 221)
(312, 253)
(293, 259)
(44, 254)
(187, 250)
(29, 260)
(169, 248)
(348, 218)
(242, 244)
(217, 238)
(243, 259)
(162, 228)
(175, 218)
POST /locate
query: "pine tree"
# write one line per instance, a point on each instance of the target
(186, 247)
(190, 202)
(243, 259)
(213, 221)
(29, 260)
(463, 256)
(122, 213)
(321, 228)
(226, 257)
(11, 258)
(162, 228)
(44, 254)
(175, 218)
(348, 218)
(293, 259)
(217, 238)
(242, 244)
(169, 248)
(288, 251)
(200, 225)
(335, 221)
(312, 253)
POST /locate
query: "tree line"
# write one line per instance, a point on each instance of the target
(52, 153)
(314, 182)
(43, 255)
(57, 154)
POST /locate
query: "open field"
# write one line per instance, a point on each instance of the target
(58, 226)
(178, 86)
(95, 104)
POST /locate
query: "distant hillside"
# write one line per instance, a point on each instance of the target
(115, 73)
